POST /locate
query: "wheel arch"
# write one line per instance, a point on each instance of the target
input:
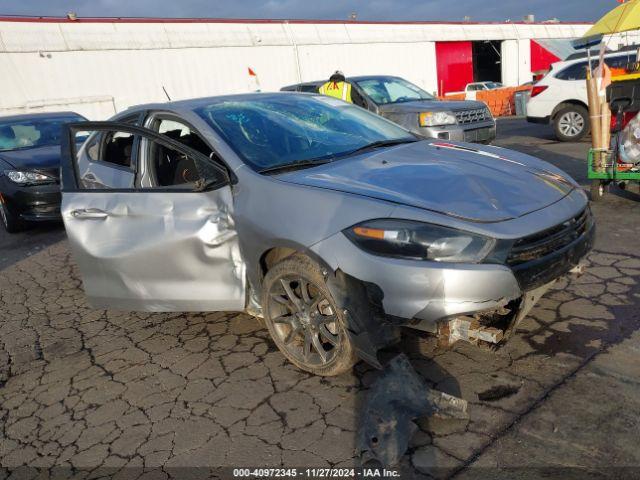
(567, 103)
(275, 254)
(361, 302)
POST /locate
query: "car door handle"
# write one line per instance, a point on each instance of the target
(89, 213)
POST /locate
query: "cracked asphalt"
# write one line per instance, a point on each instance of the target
(101, 394)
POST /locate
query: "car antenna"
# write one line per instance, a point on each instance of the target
(165, 92)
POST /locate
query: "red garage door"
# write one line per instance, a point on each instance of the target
(455, 66)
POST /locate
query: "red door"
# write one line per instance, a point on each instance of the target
(455, 66)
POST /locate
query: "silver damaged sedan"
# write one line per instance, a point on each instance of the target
(334, 225)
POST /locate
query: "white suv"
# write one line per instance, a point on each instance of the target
(560, 97)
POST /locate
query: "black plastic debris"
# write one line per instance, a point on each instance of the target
(394, 401)
(498, 392)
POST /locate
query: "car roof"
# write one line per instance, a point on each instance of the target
(315, 83)
(33, 116)
(594, 57)
(194, 103)
(370, 77)
(357, 78)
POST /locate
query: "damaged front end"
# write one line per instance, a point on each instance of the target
(491, 327)
(489, 323)
(371, 329)
(366, 322)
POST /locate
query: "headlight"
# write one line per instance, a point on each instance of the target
(419, 241)
(24, 178)
(433, 119)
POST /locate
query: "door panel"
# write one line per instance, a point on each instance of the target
(157, 252)
(155, 249)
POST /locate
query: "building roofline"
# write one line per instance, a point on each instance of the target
(47, 19)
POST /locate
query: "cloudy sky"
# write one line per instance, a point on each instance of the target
(478, 10)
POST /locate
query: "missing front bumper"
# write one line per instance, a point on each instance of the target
(492, 327)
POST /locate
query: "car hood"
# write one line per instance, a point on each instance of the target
(46, 159)
(430, 105)
(486, 184)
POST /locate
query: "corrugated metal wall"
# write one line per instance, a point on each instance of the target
(97, 68)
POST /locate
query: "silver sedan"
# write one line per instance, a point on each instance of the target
(335, 225)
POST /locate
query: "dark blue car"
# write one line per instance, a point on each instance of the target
(29, 167)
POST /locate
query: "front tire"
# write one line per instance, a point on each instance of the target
(304, 320)
(598, 190)
(10, 220)
(571, 123)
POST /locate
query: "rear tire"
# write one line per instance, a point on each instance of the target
(571, 123)
(10, 220)
(598, 190)
(303, 318)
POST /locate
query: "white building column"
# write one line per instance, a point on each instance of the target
(516, 62)
(510, 63)
(524, 59)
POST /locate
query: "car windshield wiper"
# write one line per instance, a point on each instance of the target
(381, 144)
(329, 158)
(294, 166)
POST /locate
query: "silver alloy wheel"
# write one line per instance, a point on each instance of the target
(307, 324)
(571, 124)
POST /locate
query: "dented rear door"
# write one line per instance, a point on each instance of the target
(169, 247)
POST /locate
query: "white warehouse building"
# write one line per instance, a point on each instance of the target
(101, 66)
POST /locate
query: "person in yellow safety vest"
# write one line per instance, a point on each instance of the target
(337, 87)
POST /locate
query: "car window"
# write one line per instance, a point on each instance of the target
(357, 97)
(172, 168)
(104, 161)
(621, 61)
(308, 88)
(182, 133)
(578, 71)
(281, 129)
(169, 167)
(33, 133)
(112, 147)
(384, 90)
(107, 160)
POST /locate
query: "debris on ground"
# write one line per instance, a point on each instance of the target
(498, 392)
(395, 400)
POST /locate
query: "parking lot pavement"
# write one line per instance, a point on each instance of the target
(15, 247)
(120, 391)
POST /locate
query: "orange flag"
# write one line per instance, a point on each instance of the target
(254, 81)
